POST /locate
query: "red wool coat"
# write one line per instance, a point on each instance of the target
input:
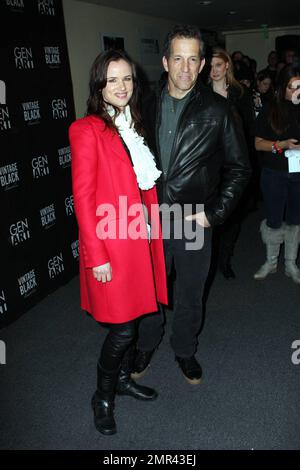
(101, 173)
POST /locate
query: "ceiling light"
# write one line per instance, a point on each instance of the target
(232, 12)
(204, 3)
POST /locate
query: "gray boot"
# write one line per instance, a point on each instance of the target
(291, 245)
(272, 237)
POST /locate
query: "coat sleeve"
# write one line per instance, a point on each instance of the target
(236, 170)
(84, 180)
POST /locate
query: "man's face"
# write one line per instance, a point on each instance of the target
(289, 56)
(183, 66)
(273, 60)
(264, 85)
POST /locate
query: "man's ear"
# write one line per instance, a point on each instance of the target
(202, 64)
(165, 63)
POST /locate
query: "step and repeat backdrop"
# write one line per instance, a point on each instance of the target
(39, 240)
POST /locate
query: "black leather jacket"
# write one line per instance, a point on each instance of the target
(209, 159)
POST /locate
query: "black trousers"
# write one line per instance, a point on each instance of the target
(191, 270)
(227, 235)
(116, 343)
(281, 194)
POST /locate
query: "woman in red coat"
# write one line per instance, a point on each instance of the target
(122, 271)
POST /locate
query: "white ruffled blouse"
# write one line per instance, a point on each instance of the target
(143, 161)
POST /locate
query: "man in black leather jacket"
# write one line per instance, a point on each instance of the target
(200, 148)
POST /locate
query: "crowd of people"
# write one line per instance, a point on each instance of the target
(196, 149)
(268, 112)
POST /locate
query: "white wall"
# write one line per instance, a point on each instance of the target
(86, 22)
(254, 43)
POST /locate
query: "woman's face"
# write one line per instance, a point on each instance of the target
(264, 85)
(293, 89)
(218, 69)
(119, 86)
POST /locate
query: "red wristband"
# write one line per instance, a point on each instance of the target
(276, 149)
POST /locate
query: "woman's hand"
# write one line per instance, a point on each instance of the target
(103, 273)
(267, 145)
(257, 100)
(288, 144)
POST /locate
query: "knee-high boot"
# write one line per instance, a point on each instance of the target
(291, 245)
(272, 237)
(127, 386)
(103, 400)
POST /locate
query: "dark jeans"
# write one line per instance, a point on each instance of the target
(116, 343)
(191, 270)
(281, 195)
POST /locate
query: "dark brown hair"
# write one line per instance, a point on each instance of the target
(98, 80)
(279, 109)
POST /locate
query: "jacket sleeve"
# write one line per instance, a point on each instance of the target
(246, 110)
(236, 170)
(84, 181)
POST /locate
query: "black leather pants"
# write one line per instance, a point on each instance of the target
(116, 343)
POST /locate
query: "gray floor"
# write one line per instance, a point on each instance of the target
(249, 398)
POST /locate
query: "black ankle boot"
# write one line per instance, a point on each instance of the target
(127, 386)
(103, 401)
(103, 415)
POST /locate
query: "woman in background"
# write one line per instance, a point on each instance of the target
(263, 90)
(223, 82)
(278, 130)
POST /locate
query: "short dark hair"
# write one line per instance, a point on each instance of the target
(183, 31)
(98, 81)
(262, 74)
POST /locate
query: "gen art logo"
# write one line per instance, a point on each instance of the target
(5, 123)
(46, 7)
(23, 58)
(69, 205)
(19, 232)
(59, 108)
(55, 266)
(40, 166)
